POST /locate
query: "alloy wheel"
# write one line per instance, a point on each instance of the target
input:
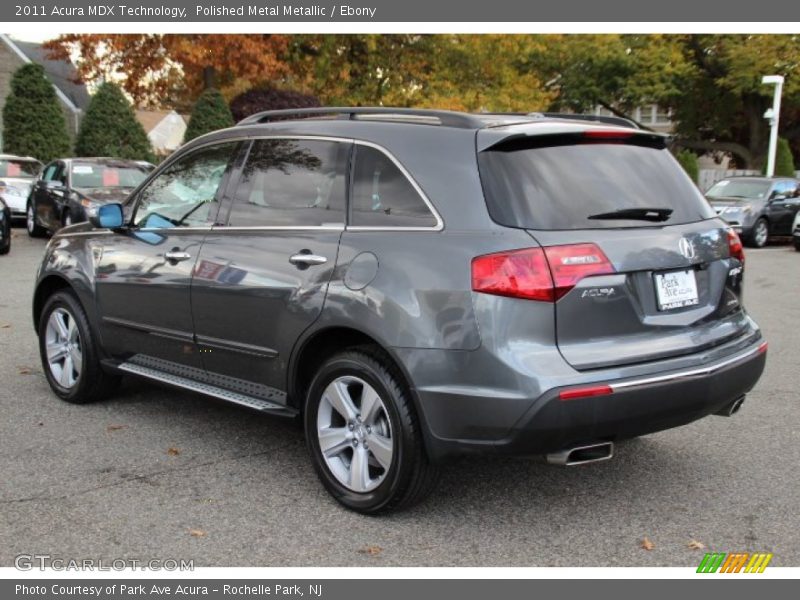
(761, 233)
(30, 219)
(63, 347)
(355, 435)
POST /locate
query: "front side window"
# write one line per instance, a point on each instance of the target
(49, 171)
(186, 193)
(383, 196)
(292, 183)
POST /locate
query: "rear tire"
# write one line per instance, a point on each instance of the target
(30, 223)
(69, 352)
(797, 246)
(760, 234)
(375, 460)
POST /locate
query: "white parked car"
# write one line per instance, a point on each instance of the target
(17, 174)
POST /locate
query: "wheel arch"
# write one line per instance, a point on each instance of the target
(48, 286)
(315, 346)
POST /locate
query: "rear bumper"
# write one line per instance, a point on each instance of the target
(635, 406)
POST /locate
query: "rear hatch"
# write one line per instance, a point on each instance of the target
(641, 268)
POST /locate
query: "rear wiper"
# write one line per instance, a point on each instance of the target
(638, 214)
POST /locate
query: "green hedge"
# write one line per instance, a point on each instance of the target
(210, 113)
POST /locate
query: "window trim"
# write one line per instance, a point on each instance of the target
(346, 227)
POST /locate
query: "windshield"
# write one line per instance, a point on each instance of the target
(107, 176)
(587, 186)
(24, 169)
(730, 188)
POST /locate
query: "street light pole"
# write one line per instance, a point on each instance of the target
(773, 116)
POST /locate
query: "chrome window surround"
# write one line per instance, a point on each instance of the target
(439, 222)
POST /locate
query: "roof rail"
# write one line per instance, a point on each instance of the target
(446, 118)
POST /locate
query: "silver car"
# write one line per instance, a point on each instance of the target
(17, 174)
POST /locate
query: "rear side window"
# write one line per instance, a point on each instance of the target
(292, 183)
(383, 196)
(560, 186)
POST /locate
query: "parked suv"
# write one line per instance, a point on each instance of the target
(414, 285)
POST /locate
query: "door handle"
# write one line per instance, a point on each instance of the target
(176, 256)
(303, 259)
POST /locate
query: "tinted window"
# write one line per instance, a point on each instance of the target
(24, 169)
(742, 188)
(291, 183)
(88, 175)
(383, 196)
(186, 193)
(562, 186)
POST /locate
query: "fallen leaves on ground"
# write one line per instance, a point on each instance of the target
(371, 550)
(696, 545)
(5, 325)
(647, 544)
(24, 370)
(115, 427)
(197, 533)
(173, 451)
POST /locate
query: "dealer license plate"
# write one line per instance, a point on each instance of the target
(676, 289)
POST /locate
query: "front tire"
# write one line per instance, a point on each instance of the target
(364, 435)
(760, 234)
(5, 237)
(30, 223)
(69, 352)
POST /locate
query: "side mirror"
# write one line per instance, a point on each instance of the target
(53, 185)
(778, 196)
(108, 216)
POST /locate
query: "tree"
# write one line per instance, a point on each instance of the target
(110, 128)
(33, 121)
(267, 98)
(688, 160)
(209, 114)
(784, 161)
(164, 70)
(465, 72)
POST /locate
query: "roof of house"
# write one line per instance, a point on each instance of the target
(150, 118)
(61, 73)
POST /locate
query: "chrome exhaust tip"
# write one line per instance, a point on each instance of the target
(731, 409)
(581, 455)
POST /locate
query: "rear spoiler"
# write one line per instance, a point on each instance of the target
(539, 135)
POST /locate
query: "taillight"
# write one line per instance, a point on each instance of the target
(735, 246)
(544, 274)
(519, 274)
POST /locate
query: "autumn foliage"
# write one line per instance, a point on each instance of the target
(158, 66)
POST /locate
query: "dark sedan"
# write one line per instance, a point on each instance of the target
(756, 207)
(70, 190)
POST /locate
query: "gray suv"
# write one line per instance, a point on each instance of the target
(413, 285)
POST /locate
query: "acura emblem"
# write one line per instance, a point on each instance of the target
(687, 248)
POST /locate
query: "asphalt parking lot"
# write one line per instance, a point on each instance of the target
(159, 473)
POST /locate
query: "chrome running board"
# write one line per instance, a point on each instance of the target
(208, 390)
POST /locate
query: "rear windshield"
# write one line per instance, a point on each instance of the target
(562, 186)
(24, 169)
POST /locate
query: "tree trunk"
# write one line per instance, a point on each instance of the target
(209, 78)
